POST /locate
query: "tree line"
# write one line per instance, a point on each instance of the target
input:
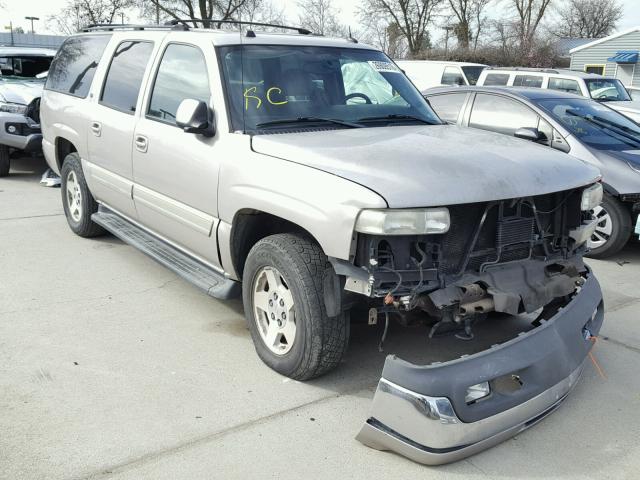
(498, 32)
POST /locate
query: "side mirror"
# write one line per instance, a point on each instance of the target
(532, 134)
(195, 116)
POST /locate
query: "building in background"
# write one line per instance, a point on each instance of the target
(8, 39)
(613, 56)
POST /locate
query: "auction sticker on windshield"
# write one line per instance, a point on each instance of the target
(379, 66)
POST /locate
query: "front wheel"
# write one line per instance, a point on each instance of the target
(284, 307)
(613, 229)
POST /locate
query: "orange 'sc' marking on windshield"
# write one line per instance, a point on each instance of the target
(247, 97)
(279, 90)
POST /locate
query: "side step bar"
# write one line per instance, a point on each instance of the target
(205, 278)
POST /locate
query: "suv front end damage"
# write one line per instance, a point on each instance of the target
(517, 256)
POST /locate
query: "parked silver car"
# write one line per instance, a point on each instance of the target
(585, 129)
(22, 74)
(310, 176)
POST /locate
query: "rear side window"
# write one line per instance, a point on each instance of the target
(531, 81)
(501, 114)
(496, 80)
(448, 106)
(75, 64)
(452, 76)
(182, 74)
(564, 85)
(123, 81)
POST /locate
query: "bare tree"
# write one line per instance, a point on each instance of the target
(469, 18)
(79, 13)
(193, 10)
(528, 17)
(387, 37)
(588, 18)
(321, 17)
(412, 17)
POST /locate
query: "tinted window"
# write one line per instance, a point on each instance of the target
(448, 106)
(532, 81)
(452, 76)
(125, 75)
(472, 73)
(496, 79)
(26, 66)
(501, 114)
(564, 85)
(75, 64)
(182, 74)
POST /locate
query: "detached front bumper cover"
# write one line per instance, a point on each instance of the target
(420, 411)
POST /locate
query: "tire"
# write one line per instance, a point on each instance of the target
(297, 265)
(5, 161)
(614, 228)
(77, 200)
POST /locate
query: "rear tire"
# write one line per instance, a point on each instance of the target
(5, 161)
(283, 297)
(77, 200)
(613, 230)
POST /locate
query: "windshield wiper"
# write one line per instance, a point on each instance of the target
(620, 130)
(399, 117)
(288, 121)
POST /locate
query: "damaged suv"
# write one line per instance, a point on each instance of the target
(310, 176)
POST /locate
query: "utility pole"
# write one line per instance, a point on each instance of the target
(10, 27)
(122, 18)
(32, 19)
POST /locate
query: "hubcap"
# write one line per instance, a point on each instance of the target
(273, 310)
(604, 228)
(74, 197)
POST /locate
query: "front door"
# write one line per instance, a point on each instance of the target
(624, 73)
(176, 173)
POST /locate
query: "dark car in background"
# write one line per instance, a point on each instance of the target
(584, 128)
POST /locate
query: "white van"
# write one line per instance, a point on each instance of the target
(427, 74)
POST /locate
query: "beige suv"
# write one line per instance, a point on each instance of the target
(309, 175)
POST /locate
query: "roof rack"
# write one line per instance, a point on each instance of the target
(525, 69)
(123, 26)
(185, 22)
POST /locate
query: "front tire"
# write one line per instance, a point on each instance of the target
(613, 230)
(5, 160)
(284, 307)
(77, 200)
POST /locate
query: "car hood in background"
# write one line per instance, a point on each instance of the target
(420, 166)
(20, 91)
(632, 107)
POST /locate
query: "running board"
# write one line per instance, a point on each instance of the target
(205, 278)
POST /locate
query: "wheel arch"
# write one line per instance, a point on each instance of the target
(63, 147)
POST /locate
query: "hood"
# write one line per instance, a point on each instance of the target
(627, 106)
(421, 166)
(620, 169)
(21, 91)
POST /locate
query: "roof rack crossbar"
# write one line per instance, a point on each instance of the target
(300, 30)
(121, 26)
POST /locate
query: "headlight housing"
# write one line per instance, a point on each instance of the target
(591, 197)
(404, 222)
(13, 108)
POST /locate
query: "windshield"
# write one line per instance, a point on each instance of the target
(596, 125)
(24, 66)
(288, 86)
(472, 74)
(607, 90)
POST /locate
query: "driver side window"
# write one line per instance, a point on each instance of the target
(501, 114)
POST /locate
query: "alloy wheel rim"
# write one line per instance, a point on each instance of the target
(604, 228)
(273, 310)
(74, 196)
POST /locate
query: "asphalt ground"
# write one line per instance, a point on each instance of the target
(113, 367)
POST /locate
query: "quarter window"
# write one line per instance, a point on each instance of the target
(448, 106)
(452, 76)
(501, 114)
(531, 81)
(123, 81)
(75, 64)
(564, 85)
(496, 80)
(182, 74)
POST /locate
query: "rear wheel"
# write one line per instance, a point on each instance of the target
(613, 229)
(5, 161)
(284, 307)
(77, 200)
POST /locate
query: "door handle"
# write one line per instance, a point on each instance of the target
(96, 128)
(141, 143)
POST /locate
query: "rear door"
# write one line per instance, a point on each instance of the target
(112, 120)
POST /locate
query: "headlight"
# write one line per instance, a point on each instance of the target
(403, 222)
(13, 108)
(591, 197)
(476, 392)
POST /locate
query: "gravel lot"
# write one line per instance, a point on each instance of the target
(113, 367)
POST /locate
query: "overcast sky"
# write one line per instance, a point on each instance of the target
(16, 10)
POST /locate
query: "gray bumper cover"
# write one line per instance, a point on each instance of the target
(420, 411)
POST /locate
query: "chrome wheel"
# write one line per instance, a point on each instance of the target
(604, 228)
(74, 197)
(273, 310)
